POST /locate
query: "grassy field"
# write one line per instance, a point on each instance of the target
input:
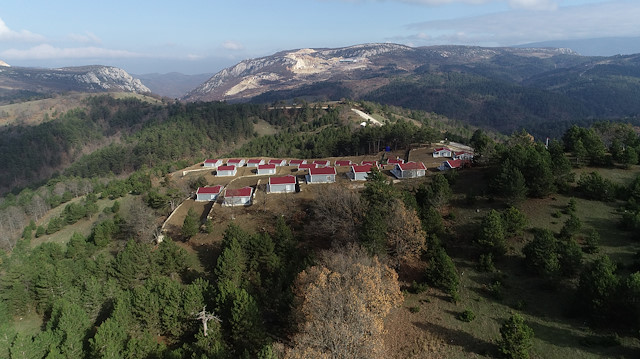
(427, 326)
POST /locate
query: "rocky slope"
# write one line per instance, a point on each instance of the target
(82, 79)
(372, 62)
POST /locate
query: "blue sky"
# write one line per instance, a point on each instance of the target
(197, 36)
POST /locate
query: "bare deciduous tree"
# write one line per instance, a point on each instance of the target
(405, 236)
(141, 222)
(337, 212)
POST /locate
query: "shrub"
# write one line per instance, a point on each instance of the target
(467, 316)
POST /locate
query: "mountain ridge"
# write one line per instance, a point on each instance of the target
(294, 68)
(90, 78)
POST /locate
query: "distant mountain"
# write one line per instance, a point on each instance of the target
(80, 79)
(543, 90)
(606, 46)
(174, 84)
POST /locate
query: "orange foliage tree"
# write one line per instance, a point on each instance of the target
(341, 304)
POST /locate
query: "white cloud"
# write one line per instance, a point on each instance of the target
(86, 38)
(46, 51)
(617, 18)
(231, 45)
(6, 34)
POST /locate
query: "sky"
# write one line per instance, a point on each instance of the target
(205, 36)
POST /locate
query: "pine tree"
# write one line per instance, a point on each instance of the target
(516, 338)
(191, 224)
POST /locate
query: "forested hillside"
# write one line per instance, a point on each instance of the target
(381, 271)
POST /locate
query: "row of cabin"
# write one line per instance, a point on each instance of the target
(232, 197)
(302, 164)
(447, 152)
(287, 184)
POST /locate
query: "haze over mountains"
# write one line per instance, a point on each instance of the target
(543, 90)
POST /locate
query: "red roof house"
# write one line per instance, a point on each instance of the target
(208, 193)
(297, 162)
(226, 171)
(266, 169)
(278, 162)
(212, 163)
(442, 152)
(321, 175)
(343, 163)
(360, 172)
(238, 162)
(283, 184)
(255, 162)
(238, 196)
(322, 162)
(409, 170)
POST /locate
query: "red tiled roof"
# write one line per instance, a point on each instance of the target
(343, 163)
(369, 162)
(214, 189)
(267, 167)
(322, 162)
(441, 149)
(255, 160)
(238, 192)
(276, 161)
(226, 168)
(361, 168)
(455, 163)
(289, 179)
(412, 166)
(393, 161)
(306, 166)
(234, 160)
(211, 161)
(322, 171)
(295, 162)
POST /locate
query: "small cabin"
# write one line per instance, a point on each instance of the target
(360, 172)
(285, 184)
(238, 196)
(238, 162)
(208, 193)
(323, 163)
(409, 170)
(255, 162)
(463, 155)
(266, 169)
(226, 171)
(442, 152)
(343, 163)
(452, 165)
(321, 175)
(278, 162)
(212, 163)
(297, 162)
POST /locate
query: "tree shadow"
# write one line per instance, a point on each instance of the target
(459, 338)
(606, 346)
